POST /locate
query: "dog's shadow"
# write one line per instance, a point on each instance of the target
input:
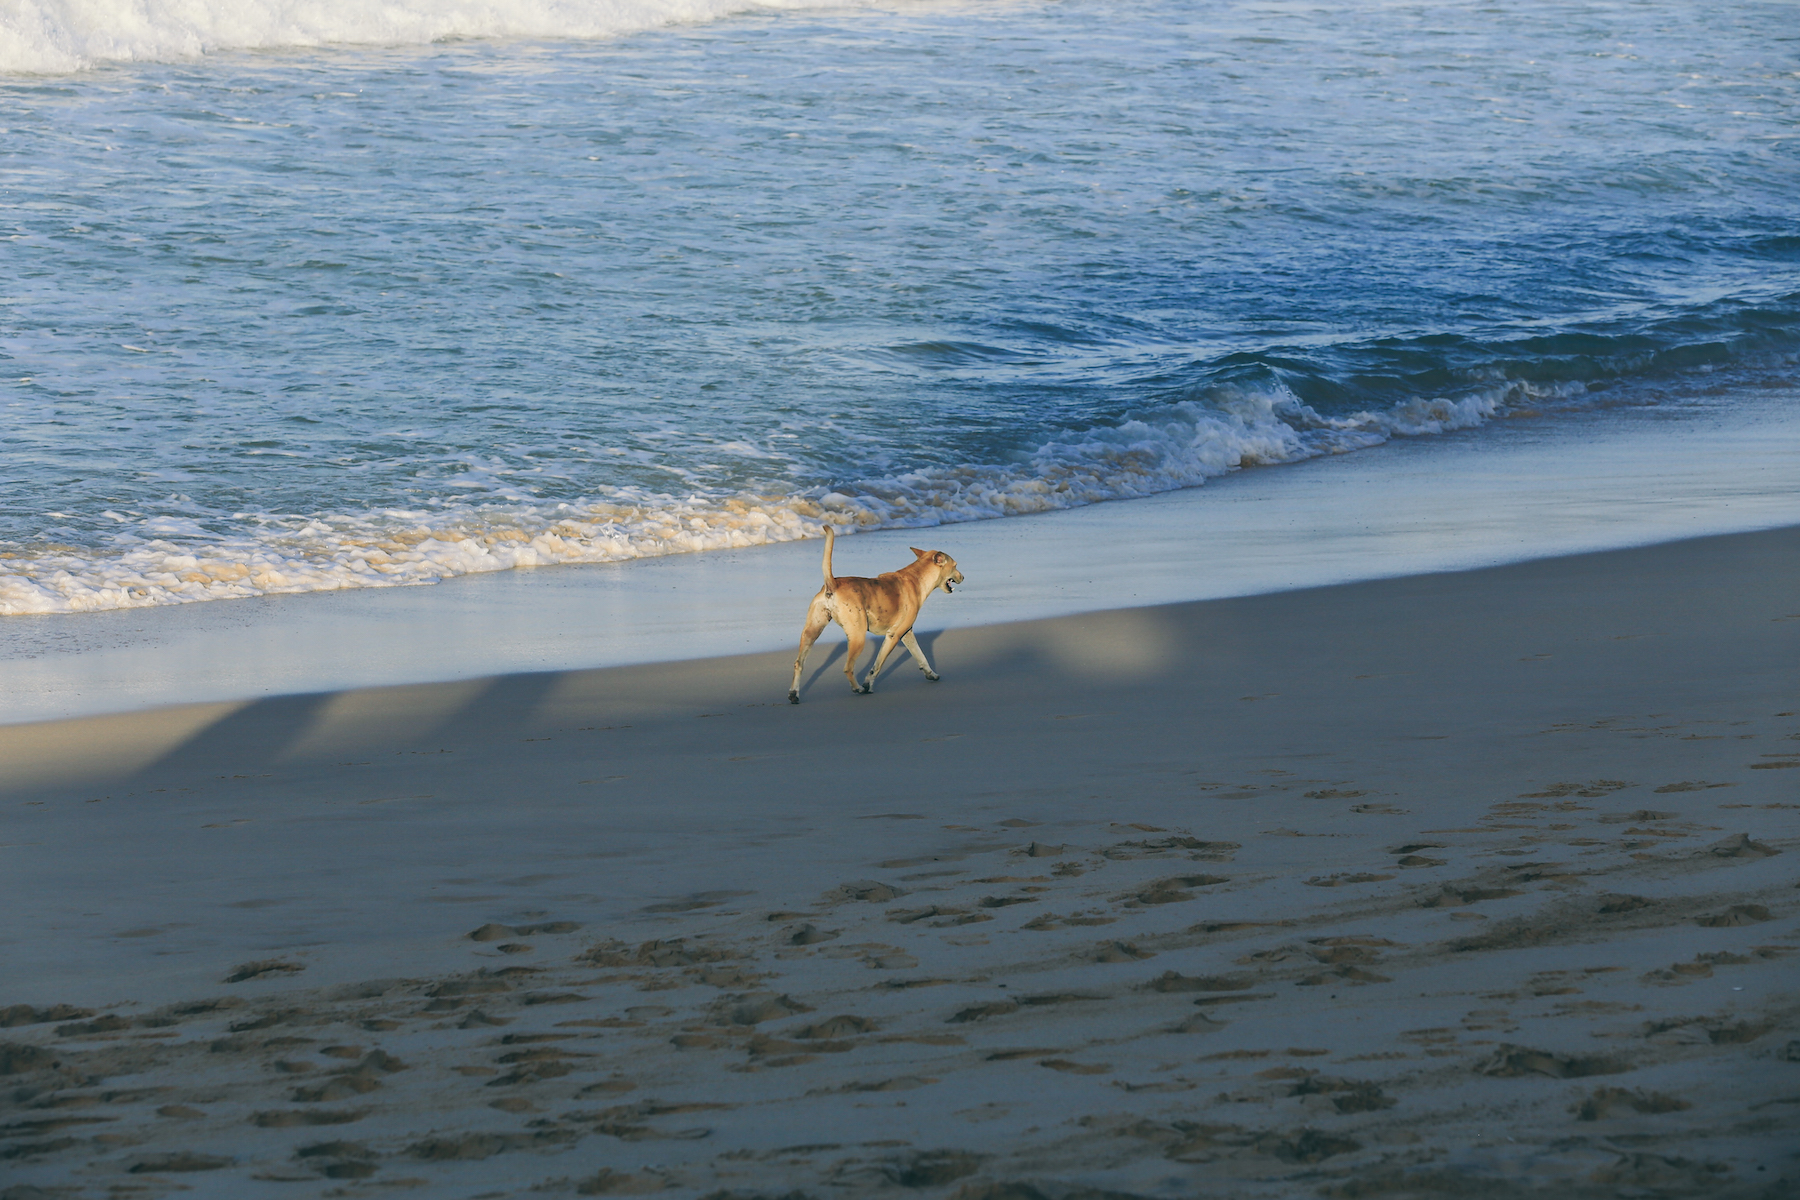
(834, 658)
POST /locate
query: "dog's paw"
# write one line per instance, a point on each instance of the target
(793, 697)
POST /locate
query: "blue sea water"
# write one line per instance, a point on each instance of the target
(301, 297)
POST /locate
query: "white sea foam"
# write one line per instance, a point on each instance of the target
(57, 36)
(156, 560)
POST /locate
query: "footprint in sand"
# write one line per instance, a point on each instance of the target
(693, 903)
(938, 916)
(981, 1012)
(1590, 790)
(932, 1168)
(476, 1019)
(1161, 1085)
(1638, 817)
(1121, 952)
(180, 1161)
(1049, 920)
(339, 1160)
(263, 970)
(1345, 974)
(1679, 973)
(1514, 1062)
(1355, 947)
(619, 1183)
(269, 1020)
(606, 1087)
(456, 990)
(1210, 851)
(290, 1118)
(1606, 1101)
(1173, 890)
(664, 952)
(1074, 1068)
(493, 932)
(900, 1083)
(891, 962)
(1174, 981)
(1453, 896)
(540, 1067)
(755, 1008)
(1198, 1023)
(1737, 914)
(867, 890)
(352, 1081)
(1045, 999)
(24, 1014)
(841, 1026)
(473, 1147)
(1739, 846)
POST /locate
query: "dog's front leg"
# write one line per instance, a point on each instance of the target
(912, 646)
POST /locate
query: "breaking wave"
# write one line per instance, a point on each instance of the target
(162, 560)
(53, 37)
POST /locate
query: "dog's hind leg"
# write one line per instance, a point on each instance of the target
(816, 620)
(852, 653)
(887, 647)
(912, 646)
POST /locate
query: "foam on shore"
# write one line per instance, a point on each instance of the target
(161, 560)
(53, 37)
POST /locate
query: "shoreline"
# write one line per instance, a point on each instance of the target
(1479, 878)
(1512, 492)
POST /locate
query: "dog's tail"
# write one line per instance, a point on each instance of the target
(830, 580)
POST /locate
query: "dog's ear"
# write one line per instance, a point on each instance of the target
(918, 553)
(940, 559)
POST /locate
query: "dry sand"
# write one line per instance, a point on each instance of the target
(1476, 884)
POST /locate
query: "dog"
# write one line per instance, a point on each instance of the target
(887, 604)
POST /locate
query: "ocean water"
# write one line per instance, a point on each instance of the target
(307, 296)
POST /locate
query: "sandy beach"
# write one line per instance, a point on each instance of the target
(1466, 884)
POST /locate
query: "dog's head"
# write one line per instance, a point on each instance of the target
(943, 564)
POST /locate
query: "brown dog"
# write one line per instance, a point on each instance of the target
(888, 604)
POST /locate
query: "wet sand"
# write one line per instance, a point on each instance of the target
(1449, 885)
